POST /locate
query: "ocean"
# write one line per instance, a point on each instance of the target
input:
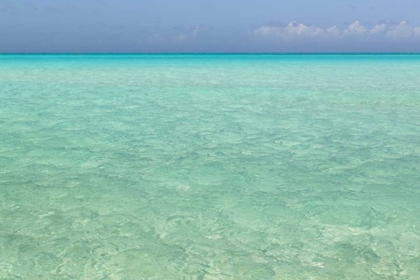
(210, 166)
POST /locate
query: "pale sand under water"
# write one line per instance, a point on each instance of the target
(210, 167)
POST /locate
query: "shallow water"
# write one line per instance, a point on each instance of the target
(210, 167)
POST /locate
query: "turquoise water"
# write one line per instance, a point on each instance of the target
(210, 167)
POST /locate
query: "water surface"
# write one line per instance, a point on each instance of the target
(210, 167)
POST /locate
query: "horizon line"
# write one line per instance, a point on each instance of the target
(209, 53)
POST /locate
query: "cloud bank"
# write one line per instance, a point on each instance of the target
(356, 30)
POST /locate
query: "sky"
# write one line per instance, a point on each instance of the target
(79, 26)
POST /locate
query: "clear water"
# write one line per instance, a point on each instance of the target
(210, 167)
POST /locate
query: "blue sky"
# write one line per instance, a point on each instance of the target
(209, 26)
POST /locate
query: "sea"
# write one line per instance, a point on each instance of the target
(210, 166)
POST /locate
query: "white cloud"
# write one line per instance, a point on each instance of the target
(416, 31)
(290, 31)
(189, 33)
(299, 30)
(402, 30)
(378, 29)
(355, 29)
(156, 37)
(333, 31)
(180, 38)
(198, 30)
